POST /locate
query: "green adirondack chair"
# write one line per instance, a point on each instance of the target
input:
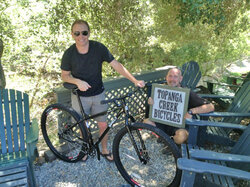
(18, 140)
(208, 168)
(191, 74)
(238, 110)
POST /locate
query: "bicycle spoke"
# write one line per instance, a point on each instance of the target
(157, 168)
(64, 141)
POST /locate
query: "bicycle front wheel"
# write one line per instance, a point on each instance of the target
(65, 137)
(142, 160)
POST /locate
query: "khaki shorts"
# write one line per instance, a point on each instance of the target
(91, 105)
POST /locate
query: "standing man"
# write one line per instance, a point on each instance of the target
(82, 65)
(196, 105)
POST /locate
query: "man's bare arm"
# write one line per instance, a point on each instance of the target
(123, 71)
(201, 109)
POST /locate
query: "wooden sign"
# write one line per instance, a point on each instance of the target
(170, 105)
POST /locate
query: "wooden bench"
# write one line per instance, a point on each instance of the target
(18, 138)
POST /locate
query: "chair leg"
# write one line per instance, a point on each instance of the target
(31, 175)
(187, 179)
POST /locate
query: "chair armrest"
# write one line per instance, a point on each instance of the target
(204, 167)
(196, 90)
(211, 155)
(33, 132)
(225, 114)
(32, 139)
(194, 122)
(216, 96)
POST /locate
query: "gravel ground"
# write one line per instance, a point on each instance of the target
(89, 173)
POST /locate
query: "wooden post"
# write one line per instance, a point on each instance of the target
(2, 77)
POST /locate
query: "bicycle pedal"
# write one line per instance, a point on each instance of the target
(92, 153)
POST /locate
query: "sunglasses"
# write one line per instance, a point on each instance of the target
(84, 33)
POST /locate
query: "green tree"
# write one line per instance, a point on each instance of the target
(218, 13)
(193, 38)
(143, 35)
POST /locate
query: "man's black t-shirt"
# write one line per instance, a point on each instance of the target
(87, 67)
(195, 100)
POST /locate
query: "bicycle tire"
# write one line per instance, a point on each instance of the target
(68, 145)
(158, 168)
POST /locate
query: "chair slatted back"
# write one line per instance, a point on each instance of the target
(241, 103)
(242, 147)
(247, 78)
(14, 120)
(191, 74)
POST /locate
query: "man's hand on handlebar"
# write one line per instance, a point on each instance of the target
(140, 83)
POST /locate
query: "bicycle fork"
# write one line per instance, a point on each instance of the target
(142, 154)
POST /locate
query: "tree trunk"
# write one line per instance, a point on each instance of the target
(2, 77)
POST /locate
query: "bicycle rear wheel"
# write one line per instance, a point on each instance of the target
(66, 142)
(157, 163)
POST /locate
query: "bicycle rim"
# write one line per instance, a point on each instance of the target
(67, 145)
(158, 167)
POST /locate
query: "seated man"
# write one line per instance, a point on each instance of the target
(196, 105)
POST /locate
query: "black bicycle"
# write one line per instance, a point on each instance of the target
(139, 157)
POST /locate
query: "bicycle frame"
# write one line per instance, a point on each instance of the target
(123, 108)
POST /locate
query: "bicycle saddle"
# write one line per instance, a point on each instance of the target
(69, 86)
